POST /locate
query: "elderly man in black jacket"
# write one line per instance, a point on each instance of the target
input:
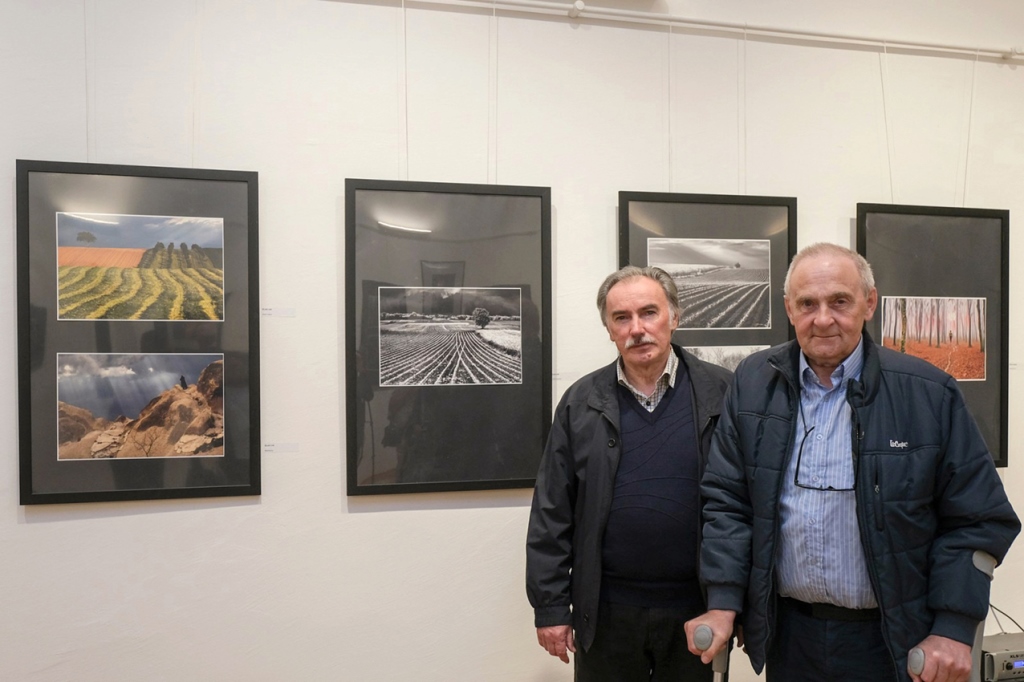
(614, 529)
(853, 510)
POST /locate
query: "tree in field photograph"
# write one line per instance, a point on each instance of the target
(433, 336)
(723, 283)
(950, 333)
(117, 406)
(113, 266)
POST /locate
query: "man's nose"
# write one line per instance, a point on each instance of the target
(823, 316)
(636, 326)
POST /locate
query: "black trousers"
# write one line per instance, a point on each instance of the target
(811, 649)
(633, 644)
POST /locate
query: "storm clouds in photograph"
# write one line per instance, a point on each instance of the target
(723, 283)
(444, 336)
(117, 406)
(112, 386)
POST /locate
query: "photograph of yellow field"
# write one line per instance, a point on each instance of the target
(137, 267)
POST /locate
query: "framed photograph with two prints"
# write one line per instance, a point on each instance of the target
(727, 254)
(138, 336)
(943, 280)
(448, 328)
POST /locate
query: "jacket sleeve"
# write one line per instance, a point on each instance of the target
(728, 517)
(973, 514)
(549, 550)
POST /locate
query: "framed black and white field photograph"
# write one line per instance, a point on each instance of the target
(727, 255)
(433, 336)
(723, 283)
(138, 334)
(448, 327)
(942, 276)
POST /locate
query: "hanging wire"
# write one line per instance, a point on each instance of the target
(196, 55)
(1002, 631)
(883, 65)
(741, 95)
(998, 610)
(85, 51)
(670, 141)
(405, 88)
(970, 118)
(492, 142)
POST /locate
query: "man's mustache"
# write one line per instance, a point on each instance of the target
(634, 340)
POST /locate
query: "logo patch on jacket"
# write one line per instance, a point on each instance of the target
(900, 444)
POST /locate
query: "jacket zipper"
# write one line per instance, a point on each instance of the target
(858, 437)
(778, 521)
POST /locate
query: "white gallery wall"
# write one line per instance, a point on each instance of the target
(304, 583)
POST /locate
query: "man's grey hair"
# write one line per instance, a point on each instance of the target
(631, 272)
(867, 277)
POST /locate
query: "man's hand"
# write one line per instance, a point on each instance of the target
(721, 623)
(557, 640)
(945, 660)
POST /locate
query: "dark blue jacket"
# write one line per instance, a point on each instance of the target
(575, 484)
(928, 497)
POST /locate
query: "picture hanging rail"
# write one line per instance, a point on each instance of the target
(728, 256)
(448, 335)
(943, 276)
(138, 332)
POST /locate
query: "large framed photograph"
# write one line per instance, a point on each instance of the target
(448, 328)
(943, 282)
(728, 256)
(138, 332)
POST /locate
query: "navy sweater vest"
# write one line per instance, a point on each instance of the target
(649, 553)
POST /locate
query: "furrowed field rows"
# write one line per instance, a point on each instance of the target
(101, 293)
(442, 356)
(724, 306)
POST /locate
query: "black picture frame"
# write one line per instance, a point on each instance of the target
(420, 259)
(138, 360)
(943, 262)
(728, 254)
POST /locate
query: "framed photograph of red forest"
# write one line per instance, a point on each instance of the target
(943, 279)
(138, 332)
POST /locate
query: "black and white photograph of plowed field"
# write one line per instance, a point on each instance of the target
(723, 283)
(431, 336)
(114, 266)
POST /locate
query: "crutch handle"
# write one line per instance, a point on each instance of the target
(915, 661)
(702, 638)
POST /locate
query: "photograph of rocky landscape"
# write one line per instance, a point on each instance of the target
(112, 406)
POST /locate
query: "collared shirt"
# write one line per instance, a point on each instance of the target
(821, 558)
(665, 381)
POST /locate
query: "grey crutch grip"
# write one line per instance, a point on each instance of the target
(702, 638)
(915, 661)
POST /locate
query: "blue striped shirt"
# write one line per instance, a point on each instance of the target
(821, 558)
